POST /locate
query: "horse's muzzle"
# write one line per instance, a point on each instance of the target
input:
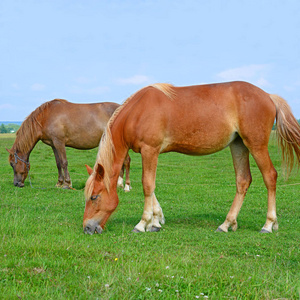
(91, 227)
(19, 184)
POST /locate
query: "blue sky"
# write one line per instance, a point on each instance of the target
(94, 51)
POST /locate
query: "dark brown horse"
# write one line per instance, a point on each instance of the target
(59, 124)
(194, 120)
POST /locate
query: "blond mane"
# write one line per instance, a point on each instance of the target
(26, 134)
(106, 151)
(166, 88)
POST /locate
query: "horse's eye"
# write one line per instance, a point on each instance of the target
(94, 197)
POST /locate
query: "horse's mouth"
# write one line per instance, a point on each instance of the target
(19, 184)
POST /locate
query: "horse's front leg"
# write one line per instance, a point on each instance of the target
(67, 182)
(152, 212)
(158, 216)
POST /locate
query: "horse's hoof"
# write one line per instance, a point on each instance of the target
(67, 187)
(59, 185)
(220, 230)
(265, 231)
(155, 229)
(135, 230)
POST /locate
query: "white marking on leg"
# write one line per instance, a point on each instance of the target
(147, 217)
(120, 182)
(158, 216)
(270, 225)
(127, 188)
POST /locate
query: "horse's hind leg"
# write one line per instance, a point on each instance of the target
(120, 179)
(62, 157)
(126, 165)
(127, 168)
(240, 156)
(59, 169)
(269, 174)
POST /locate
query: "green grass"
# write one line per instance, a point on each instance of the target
(45, 255)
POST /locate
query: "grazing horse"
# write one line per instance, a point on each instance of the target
(59, 123)
(194, 120)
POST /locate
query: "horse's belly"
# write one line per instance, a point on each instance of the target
(198, 144)
(83, 143)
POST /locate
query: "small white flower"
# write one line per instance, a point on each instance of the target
(148, 289)
(89, 277)
(107, 285)
(160, 290)
(205, 297)
(167, 267)
(157, 284)
(176, 291)
(197, 297)
(202, 294)
(231, 276)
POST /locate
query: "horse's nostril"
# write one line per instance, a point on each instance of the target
(88, 230)
(99, 229)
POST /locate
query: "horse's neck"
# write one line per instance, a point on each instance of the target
(24, 144)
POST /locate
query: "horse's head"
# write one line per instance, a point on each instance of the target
(20, 166)
(100, 203)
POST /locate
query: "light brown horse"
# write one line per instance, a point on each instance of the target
(59, 123)
(194, 120)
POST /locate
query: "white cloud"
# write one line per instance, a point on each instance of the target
(84, 80)
(6, 106)
(262, 82)
(136, 79)
(37, 87)
(253, 73)
(289, 88)
(15, 86)
(293, 86)
(98, 90)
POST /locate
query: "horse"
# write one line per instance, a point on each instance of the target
(193, 120)
(59, 124)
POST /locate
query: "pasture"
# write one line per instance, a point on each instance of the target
(44, 253)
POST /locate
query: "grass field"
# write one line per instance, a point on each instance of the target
(45, 255)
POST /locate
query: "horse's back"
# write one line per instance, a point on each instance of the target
(199, 119)
(77, 125)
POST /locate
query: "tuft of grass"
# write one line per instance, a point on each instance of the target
(44, 253)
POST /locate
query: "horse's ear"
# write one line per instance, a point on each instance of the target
(89, 169)
(100, 172)
(10, 151)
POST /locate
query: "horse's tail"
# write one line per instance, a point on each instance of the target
(288, 134)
